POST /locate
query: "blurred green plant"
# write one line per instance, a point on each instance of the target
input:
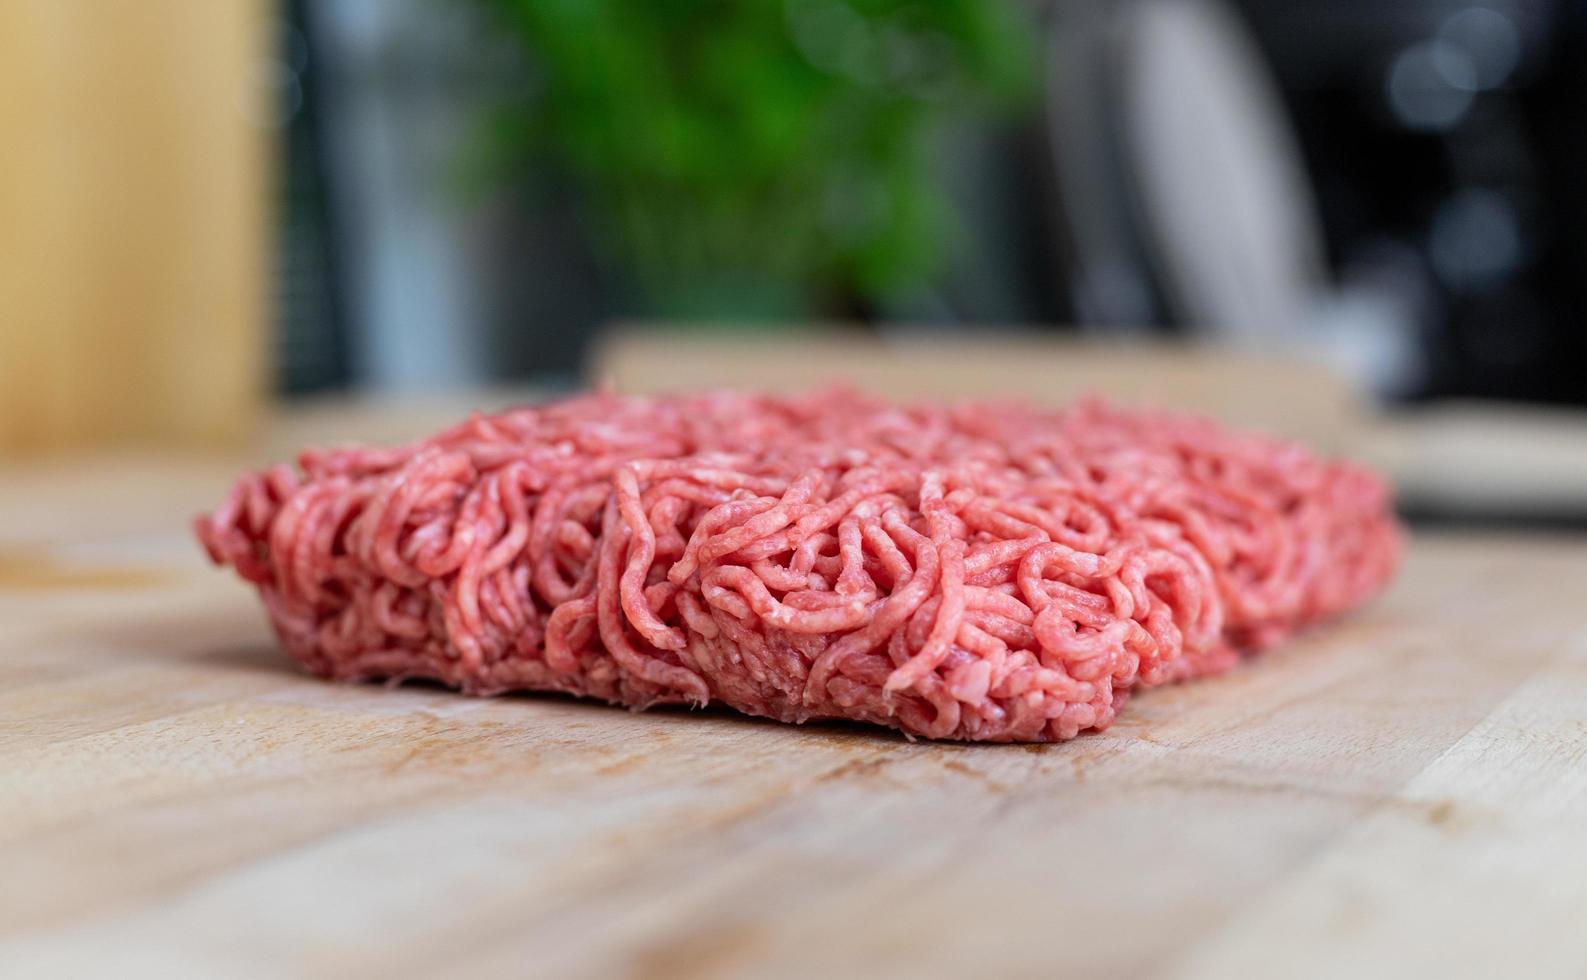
(761, 158)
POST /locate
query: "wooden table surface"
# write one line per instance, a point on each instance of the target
(1402, 794)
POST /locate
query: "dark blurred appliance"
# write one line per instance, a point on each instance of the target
(1457, 131)
(311, 344)
(1396, 187)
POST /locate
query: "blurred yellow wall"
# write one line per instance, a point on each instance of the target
(134, 252)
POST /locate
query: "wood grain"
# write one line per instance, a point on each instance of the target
(1401, 794)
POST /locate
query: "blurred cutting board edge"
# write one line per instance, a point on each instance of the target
(1465, 459)
(1272, 393)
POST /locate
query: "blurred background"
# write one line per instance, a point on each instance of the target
(1361, 221)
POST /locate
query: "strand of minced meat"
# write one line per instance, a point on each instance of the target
(978, 571)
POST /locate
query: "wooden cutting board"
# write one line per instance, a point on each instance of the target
(1404, 794)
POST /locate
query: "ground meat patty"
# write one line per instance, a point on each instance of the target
(979, 571)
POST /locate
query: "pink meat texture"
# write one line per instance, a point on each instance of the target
(984, 571)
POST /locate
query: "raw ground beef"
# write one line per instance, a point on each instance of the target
(982, 571)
